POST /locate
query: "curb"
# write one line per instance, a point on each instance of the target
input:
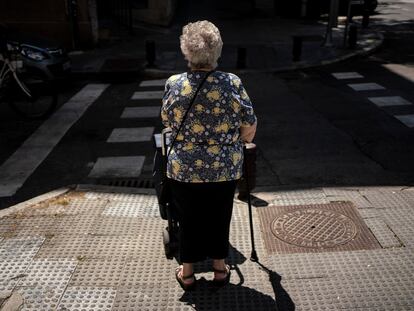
(35, 200)
(160, 73)
(113, 189)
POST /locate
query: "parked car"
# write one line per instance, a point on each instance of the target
(41, 55)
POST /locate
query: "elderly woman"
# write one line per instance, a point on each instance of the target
(205, 161)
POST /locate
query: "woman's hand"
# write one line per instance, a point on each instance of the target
(247, 133)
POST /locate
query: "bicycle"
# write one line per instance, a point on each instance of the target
(28, 93)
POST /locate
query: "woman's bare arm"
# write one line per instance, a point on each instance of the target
(247, 133)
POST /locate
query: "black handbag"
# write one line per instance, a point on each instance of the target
(159, 172)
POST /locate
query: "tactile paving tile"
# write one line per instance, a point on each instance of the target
(40, 297)
(8, 226)
(106, 225)
(78, 224)
(44, 283)
(49, 272)
(401, 220)
(23, 247)
(141, 271)
(98, 273)
(80, 298)
(11, 270)
(299, 197)
(386, 199)
(358, 271)
(382, 232)
(346, 293)
(37, 225)
(353, 196)
(147, 297)
(104, 247)
(142, 206)
(63, 246)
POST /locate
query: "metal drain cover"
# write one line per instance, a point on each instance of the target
(315, 228)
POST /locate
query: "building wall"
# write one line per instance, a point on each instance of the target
(50, 18)
(158, 12)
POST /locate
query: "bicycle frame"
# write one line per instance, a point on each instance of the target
(12, 66)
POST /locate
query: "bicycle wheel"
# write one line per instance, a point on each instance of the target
(42, 100)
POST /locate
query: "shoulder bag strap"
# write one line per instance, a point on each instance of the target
(186, 112)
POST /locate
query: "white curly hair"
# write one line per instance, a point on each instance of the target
(201, 44)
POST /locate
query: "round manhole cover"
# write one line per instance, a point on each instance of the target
(314, 228)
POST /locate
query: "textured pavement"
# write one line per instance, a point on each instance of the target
(95, 249)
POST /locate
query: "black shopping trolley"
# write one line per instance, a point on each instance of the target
(167, 212)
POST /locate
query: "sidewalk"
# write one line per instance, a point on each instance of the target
(268, 43)
(91, 248)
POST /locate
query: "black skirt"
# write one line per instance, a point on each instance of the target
(204, 213)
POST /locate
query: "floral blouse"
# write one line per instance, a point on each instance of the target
(208, 147)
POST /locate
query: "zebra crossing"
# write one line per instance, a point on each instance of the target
(18, 167)
(380, 101)
(131, 166)
(34, 150)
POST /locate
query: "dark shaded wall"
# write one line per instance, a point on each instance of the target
(49, 18)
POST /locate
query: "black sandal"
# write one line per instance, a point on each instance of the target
(180, 280)
(225, 280)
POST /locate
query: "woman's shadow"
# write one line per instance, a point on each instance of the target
(236, 296)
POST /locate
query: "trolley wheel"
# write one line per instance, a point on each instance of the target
(169, 251)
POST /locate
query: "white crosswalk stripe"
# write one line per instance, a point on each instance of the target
(136, 134)
(366, 86)
(146, 83)
(117, 167)
(347, 75)
(141, 112)
(147, 95)
(130, 167)
(407, 119)
(384, 101)
(23, 162)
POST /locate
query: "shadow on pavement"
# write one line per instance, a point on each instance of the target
(234, 296)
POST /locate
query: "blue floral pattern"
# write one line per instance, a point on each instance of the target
(208, 147)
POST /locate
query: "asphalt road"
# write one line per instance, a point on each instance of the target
(314, 129)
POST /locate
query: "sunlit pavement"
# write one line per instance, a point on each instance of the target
(96, 248)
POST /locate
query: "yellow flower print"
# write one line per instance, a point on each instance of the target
(222, 127)
(175, 167)
(178, 114)
(198, 163)
(212, 141)
(213, 149)
(180, 137)
(235, 105)
(195, 178)
(188, 146)
(236, 158)
(187, 89)
(216, 111)
(222, 178)
(197, 128)
(213, 95)
(210, 79)
(216, 164)
(199, 108)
